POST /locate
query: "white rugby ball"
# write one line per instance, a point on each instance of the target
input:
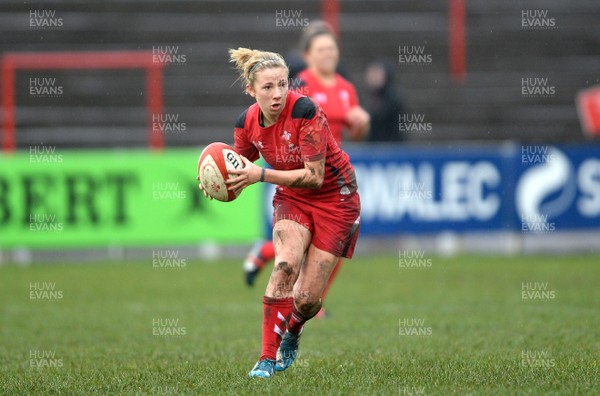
(213, 165)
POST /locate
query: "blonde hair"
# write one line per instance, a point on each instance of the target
(248, 62)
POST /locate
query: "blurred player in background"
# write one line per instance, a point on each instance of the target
(295, 57)
(336, 95)
(383, 102)
(338, 99)
(316, 215)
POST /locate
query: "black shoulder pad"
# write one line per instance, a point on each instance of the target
(304, 108)
(241, 120)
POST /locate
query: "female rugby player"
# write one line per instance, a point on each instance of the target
(336, 95)
(316, 217)
(338, 99)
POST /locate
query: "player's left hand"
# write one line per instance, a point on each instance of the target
(246, 176)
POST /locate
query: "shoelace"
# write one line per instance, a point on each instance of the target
(265, 365)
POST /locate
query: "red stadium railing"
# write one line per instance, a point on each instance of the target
(330, 12)
(457, 46)
(15, 61)
(457, 35)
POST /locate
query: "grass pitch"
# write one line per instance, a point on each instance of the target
(463, 325)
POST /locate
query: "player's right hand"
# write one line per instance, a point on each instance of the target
(203, 190)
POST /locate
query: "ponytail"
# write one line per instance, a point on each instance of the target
(248, 62)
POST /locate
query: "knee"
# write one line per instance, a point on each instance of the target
(283, 276)
(307, 303)
(284, 267)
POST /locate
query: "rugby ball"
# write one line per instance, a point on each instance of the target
(213, 165)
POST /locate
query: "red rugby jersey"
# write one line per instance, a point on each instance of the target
(335, 100)
(300, 135)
